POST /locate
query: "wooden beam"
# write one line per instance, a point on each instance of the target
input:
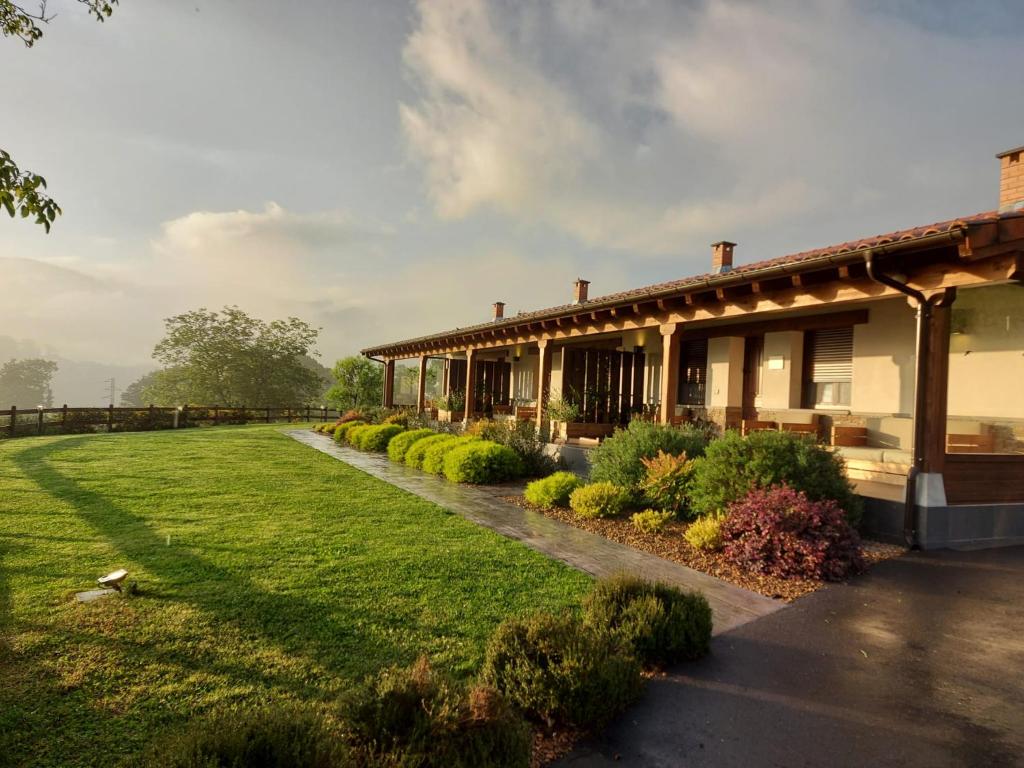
(775, 325)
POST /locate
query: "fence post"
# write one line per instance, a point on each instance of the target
(307, 413)
(215, 414)
(184, 415)
(268, 415)
(110, 418)
(151, 414)
(64, 418)
(242, 416)
(14, 417)
(40, 430)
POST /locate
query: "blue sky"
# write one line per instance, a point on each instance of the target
(387, 169)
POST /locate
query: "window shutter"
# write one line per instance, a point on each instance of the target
(832, 355)
(693, 382)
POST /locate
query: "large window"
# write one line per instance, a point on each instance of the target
(693, 372)
(828, 368)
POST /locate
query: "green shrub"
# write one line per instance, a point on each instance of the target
(618, 459)
(376, 438)
(342, 430)
(415, 716)
(418, 451)
(522, 437)
(553, 490)
(400, 444)
(281, 737)
(354, 434)
(666, 482)
(705, 533)
(433, 459)
(662, 624)
(557, 672)
(651, 520)
(734, 466)
(482, 461)
(598, 500)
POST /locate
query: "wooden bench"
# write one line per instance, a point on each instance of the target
(981, 443)
(526, 413)
(803, 429)
(849, 436)
(753, 425)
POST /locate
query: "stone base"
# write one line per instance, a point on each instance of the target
(942, 527)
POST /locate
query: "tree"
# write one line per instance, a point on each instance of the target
(228, 358)
(23, 192)
(26, 383)
(358, 381)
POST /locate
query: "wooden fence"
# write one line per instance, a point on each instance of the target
(18, 422)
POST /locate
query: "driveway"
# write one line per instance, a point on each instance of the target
(918, 663)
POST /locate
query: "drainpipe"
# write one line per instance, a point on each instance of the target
(924, 306)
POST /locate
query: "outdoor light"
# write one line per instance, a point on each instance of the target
(40, 407)
(113, 580)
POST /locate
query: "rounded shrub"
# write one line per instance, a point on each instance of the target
(705, 533)
(481, 461)
(416, 716)
(281, 737)
(376, 438)
(558, 673)
(660, 623)
(734, 465)
(618, 459)
(400, 444)
(666, 482)
(650, 520)
(354, 434)
(780, 531)
(342, 430)
(553, 490)
(433, 459)
(418, 451)
(599, 500)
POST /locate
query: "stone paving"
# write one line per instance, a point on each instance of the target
(732, 606)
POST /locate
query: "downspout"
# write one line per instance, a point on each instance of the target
(924, 317)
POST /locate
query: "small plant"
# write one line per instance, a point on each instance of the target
(598, 500)
(481, 461)
(779, 531)
(651, 520)
(418, 450)
(619, 458)
(560, 409)
(375, 439)
(666, 482)
(433, 459)
(400, 444)
(553, 490)
(705, 533)
(454, 402)
(350, 415)
(660, 623)
(559, 673)
(521, 437)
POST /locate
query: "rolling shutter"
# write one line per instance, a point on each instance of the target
(831, 355)
(693, 381)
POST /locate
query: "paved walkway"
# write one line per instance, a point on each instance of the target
(732, 606)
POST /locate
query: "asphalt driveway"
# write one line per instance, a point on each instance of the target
(918, 663)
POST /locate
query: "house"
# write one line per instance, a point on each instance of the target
(904, 351)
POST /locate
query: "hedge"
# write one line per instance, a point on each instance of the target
(376, 438)
(433, 459)
(481, 461)
(415, 455)
(400, 444)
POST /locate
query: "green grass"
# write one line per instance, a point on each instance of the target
(288, 575)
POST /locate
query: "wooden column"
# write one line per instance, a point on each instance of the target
(543, 382)
(389, 384)
(470, 384)
(669, 371)
(936, 384)
(421, 392)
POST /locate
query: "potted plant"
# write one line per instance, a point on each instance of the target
(451, 407)
(567, 422)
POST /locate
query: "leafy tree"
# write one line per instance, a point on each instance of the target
(26, 383)
(358, 381)
(23, 192)
(229, 358)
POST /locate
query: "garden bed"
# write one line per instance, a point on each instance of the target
(670, 544)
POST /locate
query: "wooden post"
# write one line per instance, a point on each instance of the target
(64, 417)
(389, 384)
(110, 418)
(14, 418)
(268, 415)
(936, 383)
(242, 416)
(40, 429)
(307, 413)
(216, 415)
(470, 385)
(669, 371)
(543, 383)
(151, 414)
(421, 391)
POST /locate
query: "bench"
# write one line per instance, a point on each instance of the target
(753, 425)
(849, 436)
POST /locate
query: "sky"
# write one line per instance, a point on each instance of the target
(388, 169)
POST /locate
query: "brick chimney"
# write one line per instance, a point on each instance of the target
(721, 256)
(580, 294)
(1011, 180)
(499, 310)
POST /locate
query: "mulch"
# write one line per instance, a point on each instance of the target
(670, 544)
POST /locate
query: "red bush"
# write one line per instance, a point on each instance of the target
(779, 531)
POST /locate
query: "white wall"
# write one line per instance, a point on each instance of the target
(725, 372)
(883, 360)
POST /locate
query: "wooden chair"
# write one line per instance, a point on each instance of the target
(849, 436)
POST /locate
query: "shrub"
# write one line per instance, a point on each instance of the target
(561, 409)
(705, 533)
(342, 430)
(400, 418)
(433, 459)
(521, 437)
(735, 465)
(281, 737)
(415, 716)
(557, 672)
(400, 444)
(666, 482)
(553, 490)
(650, 520)
(417, 452)
(781, 532)
(376, 438)
(598, 500)
(354, 434)
(481, 461)
(618, 459)
(351, 414)
(660, 623)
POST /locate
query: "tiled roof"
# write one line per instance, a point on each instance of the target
(623, 297)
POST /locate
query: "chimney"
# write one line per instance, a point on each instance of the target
(1011, 180)
(499, 310)
(721, 256)
(580, 294)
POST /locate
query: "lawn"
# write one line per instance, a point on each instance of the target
(267, 571)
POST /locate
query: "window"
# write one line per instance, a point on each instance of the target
(693, 372)
(828, 368)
